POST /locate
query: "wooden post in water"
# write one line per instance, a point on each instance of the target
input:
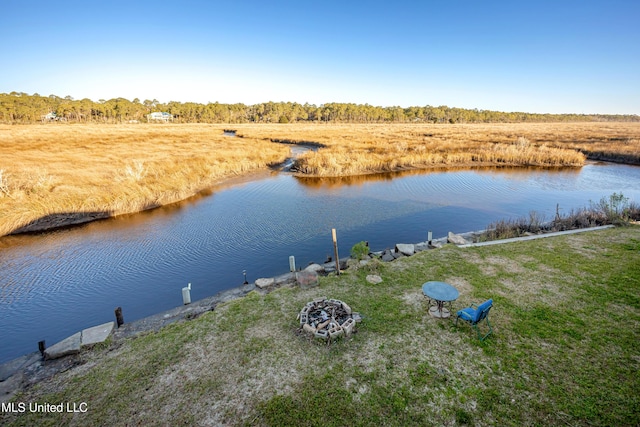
(335, 249)
(119, 318)
(42, 347)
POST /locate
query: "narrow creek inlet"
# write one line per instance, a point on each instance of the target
(56, 283)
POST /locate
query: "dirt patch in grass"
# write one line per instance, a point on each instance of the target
(485, 268)
(462, 285)
(505, 264)
(415, 300)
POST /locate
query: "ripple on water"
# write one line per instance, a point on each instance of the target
(54, 283)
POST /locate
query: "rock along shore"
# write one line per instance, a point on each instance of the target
(29, 369)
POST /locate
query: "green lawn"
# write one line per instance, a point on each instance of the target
(565, 349)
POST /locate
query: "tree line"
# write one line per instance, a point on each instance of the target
(20, 107)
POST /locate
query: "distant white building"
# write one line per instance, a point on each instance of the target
(160, 117)
(49, 117)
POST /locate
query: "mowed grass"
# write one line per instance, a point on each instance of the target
(565, 349)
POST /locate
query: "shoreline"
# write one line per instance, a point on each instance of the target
(247, 362)
(65, 220)
(101, 171)
(31, 368)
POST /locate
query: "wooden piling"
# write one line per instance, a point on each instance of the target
(119, 318)
(42, 347)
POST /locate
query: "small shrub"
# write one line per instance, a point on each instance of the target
(360, 250)
(536, 221)
(614, 208)
(633, 211)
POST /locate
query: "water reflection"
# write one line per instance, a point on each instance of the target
(516, 173)
(54, 284)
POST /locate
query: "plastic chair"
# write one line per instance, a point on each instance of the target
(474, 315)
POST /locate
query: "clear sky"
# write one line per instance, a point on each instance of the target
(560, 56)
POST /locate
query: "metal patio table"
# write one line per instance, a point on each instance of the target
(441, 293)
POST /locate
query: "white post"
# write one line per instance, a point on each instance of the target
(335, 249)
(429, 237)
(186, 295)
(292, 263)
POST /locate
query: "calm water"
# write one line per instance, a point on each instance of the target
(55, 284)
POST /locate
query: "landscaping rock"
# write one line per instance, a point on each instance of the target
(407, 249)
(388, 256)
(314, 267)
(70, 345)
(285, 278)
(423, 246)
(374, 278)
(456, 239)
(96, 334)
(329, 267)
(307, 279)
(263, 283)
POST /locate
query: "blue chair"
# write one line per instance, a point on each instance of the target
(474, 315)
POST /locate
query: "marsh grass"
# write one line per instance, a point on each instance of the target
(67, 169)
(564, 351)
(103, 170)
(361, 149)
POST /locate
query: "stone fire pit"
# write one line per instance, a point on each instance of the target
(328, 319)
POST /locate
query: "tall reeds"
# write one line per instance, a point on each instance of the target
(103, 170)
(615, 209)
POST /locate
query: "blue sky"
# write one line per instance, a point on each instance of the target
(543, 56)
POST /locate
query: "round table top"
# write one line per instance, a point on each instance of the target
(440, 291)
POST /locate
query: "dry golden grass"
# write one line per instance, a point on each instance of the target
(359, 149)
(104, 170)
(71, 171)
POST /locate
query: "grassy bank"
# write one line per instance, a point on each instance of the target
(359, 149)
(565, 349)
(102, 170)
(58, 173)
